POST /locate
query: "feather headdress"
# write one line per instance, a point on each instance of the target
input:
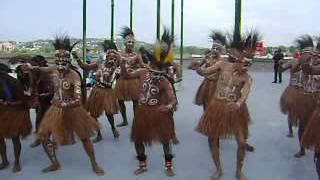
(305, 43)
(164, 52)
(63, 42)
(218, 38)
(127, 34)
(245, 47)
(108, 45)
(63, 46)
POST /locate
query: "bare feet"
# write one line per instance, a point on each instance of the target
(51, 168)
(122, 124)
(140, 170)
(290, 135)
(36, 143)
(16, 168)
(98, 170)
(249, 148)
(241, 176)
(217, 175)
(175, 140)
(97, 139)
(300, 154)
(170, 172)
(4, 165)
(116, 133)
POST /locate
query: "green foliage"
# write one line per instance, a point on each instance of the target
(22, 52)
(292, 49)
(283, 48)
(189, 50)
(48, 48)
(269, 50)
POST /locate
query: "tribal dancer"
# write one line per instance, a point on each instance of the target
(227, 114)
(127, 90)
(66, 116)
(209, 84)
(293, 94)
(14, 116)
(306, 98)
(311, 135)
(174, 75)
(102, 97)
(289, 98)
(42, 87)
(153, 118)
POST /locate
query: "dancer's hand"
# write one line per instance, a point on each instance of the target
(194, 65)
(164, 109)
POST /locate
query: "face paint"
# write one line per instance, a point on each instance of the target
(62, 66)
(215, 52)
(129, 44)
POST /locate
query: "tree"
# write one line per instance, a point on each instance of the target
(269, 50)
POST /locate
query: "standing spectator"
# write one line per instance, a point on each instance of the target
(90, 80)
(88, 56)
(278, 56)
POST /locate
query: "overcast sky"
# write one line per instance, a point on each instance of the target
(280, 21)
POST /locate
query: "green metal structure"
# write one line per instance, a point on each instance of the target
(112, 20)
(84, 41)
(131, 14)
(158, 18)
(84, 29)
(181, 34)
(172, 16)
(237, 26)
(237, 23)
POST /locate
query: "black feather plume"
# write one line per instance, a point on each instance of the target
(251, 39)
(168, 40)
(167, 37)
(218, 37)
(63, 42)
(304, 41)
(125, 32)
(108, 45)
(146, 55)
(318, 43)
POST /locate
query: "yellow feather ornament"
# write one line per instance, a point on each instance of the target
(158, 51)
(170, 57)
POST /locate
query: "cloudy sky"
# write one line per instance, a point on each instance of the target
(280, 21)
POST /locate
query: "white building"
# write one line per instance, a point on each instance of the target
(6, 47)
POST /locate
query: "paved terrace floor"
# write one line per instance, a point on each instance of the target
(273, 159)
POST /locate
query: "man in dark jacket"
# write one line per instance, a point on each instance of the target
(278, 56)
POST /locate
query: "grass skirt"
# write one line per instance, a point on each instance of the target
(306, 106)
(127, 90)
(311, 136)
(14, 121)
(149, 125)
(289, 104)
(63, 123)
(218, 121)
(205, 92)
(102, 100)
